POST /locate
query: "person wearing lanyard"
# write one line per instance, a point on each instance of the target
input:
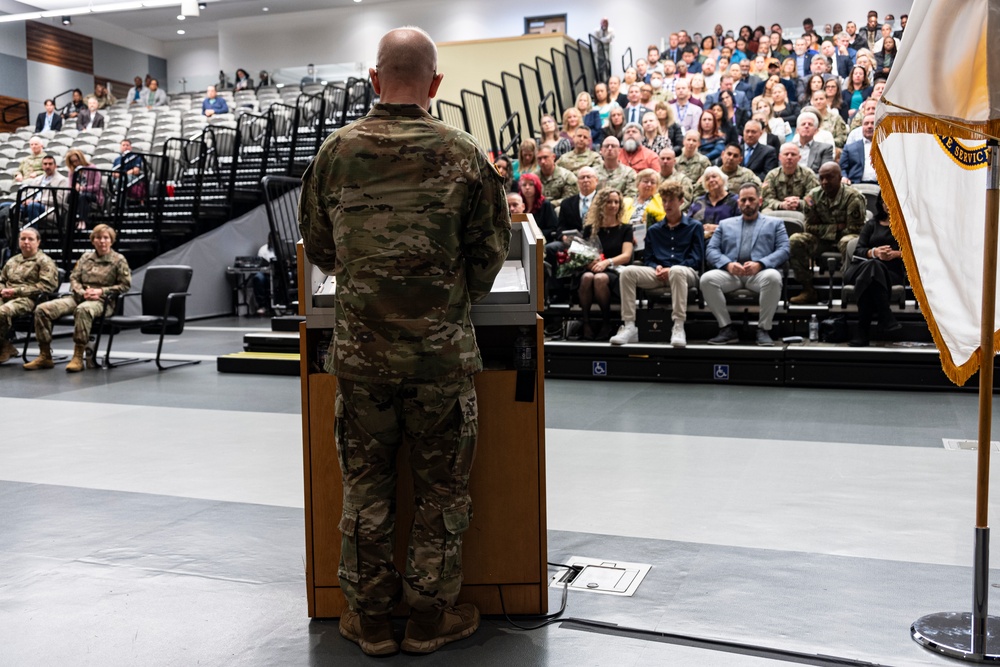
(687, 114)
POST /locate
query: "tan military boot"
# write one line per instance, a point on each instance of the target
(43, 360)
(75, 364)
(373, 635)
(7, 351)
(807, 295)
(426, 632)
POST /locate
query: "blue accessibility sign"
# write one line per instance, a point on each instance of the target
(600, 368)
(720, 372)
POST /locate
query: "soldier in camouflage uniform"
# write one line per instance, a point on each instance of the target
(829, 119)
(581, 156)
(557, 183)
(690, 162)
(737, 174)
(97, 275)
(410, 217)
(23, 278)
(670, 174)
(613, 174)
(785, 187)
(31, 166)
(835, 214)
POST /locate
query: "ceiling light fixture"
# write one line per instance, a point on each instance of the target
(202, 5)
(67, 20)
(180, 32)
(91, 9)
(181, 17)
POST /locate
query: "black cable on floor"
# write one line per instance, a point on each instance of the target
(674, 638)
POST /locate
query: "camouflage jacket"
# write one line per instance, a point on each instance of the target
(735, 182)
(411, 218)
(29, 276)
(824, 214)
(574, 161)
(692, 167)
(778, 185)
(621, 179)
(685, 183)
(31, 165)
(558, 186)
(111, 273)
(837, 127)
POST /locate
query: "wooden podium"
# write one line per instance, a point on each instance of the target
(505, 549)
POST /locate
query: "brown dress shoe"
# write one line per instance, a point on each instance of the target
(426, 632)
(374, 636)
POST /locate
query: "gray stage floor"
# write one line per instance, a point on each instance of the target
(156, 519)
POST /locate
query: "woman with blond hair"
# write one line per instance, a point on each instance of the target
(572, 119)
(97, 276)
(87, 183)
(526, 162)
(669, 126)
(698, 90)
(605, 221)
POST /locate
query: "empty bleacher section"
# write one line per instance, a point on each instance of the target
(194, 172)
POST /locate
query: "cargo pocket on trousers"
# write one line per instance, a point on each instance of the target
(349, 546)
(456, 522)
(338, 431)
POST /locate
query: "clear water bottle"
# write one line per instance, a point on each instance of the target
(813, 329)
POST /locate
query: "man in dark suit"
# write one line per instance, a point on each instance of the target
(49, 120)
(814, 153)
(634, 110)
(757, 157)
(745, 251)
(855, 160)
(673, 51)
(90, 117)
(573, 211)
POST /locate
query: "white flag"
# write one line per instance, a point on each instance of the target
(931, 165)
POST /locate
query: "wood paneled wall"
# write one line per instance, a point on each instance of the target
(62, 48)
(16, 116)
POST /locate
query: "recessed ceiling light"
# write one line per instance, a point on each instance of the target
(180, 32)
(264, 9)
(357, 0)
(202, 5)
(181, 17)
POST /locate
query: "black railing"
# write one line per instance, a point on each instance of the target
(513, 126)
(281, 201)
(15, 113)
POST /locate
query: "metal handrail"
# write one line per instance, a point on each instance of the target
(14, 105)
(628, 52)
(543, 107)
(515, 138)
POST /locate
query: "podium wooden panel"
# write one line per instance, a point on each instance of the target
(505, 546)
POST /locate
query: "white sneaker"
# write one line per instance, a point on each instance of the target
(677, 337)
(627, 333)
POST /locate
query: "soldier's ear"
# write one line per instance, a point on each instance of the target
(375, 83)
(435, 84)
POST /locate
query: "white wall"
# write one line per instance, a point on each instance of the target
(48, 81)
(351, 34)
(196, 60)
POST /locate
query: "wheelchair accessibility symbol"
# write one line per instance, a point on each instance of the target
(600, 368)
(720, 372)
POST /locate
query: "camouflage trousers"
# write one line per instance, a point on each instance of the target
(16, 307)
(804, 246)
(84, 313)
(438, 422)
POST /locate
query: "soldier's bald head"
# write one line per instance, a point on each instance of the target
(406, 54)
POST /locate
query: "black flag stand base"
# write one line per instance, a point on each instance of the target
(950, 633)
(962, 635)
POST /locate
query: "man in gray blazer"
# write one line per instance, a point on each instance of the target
(814, 154)
(745, 251)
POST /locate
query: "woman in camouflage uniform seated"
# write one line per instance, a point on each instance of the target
(98, 274)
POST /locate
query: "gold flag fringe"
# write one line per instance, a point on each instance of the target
(947, 128)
